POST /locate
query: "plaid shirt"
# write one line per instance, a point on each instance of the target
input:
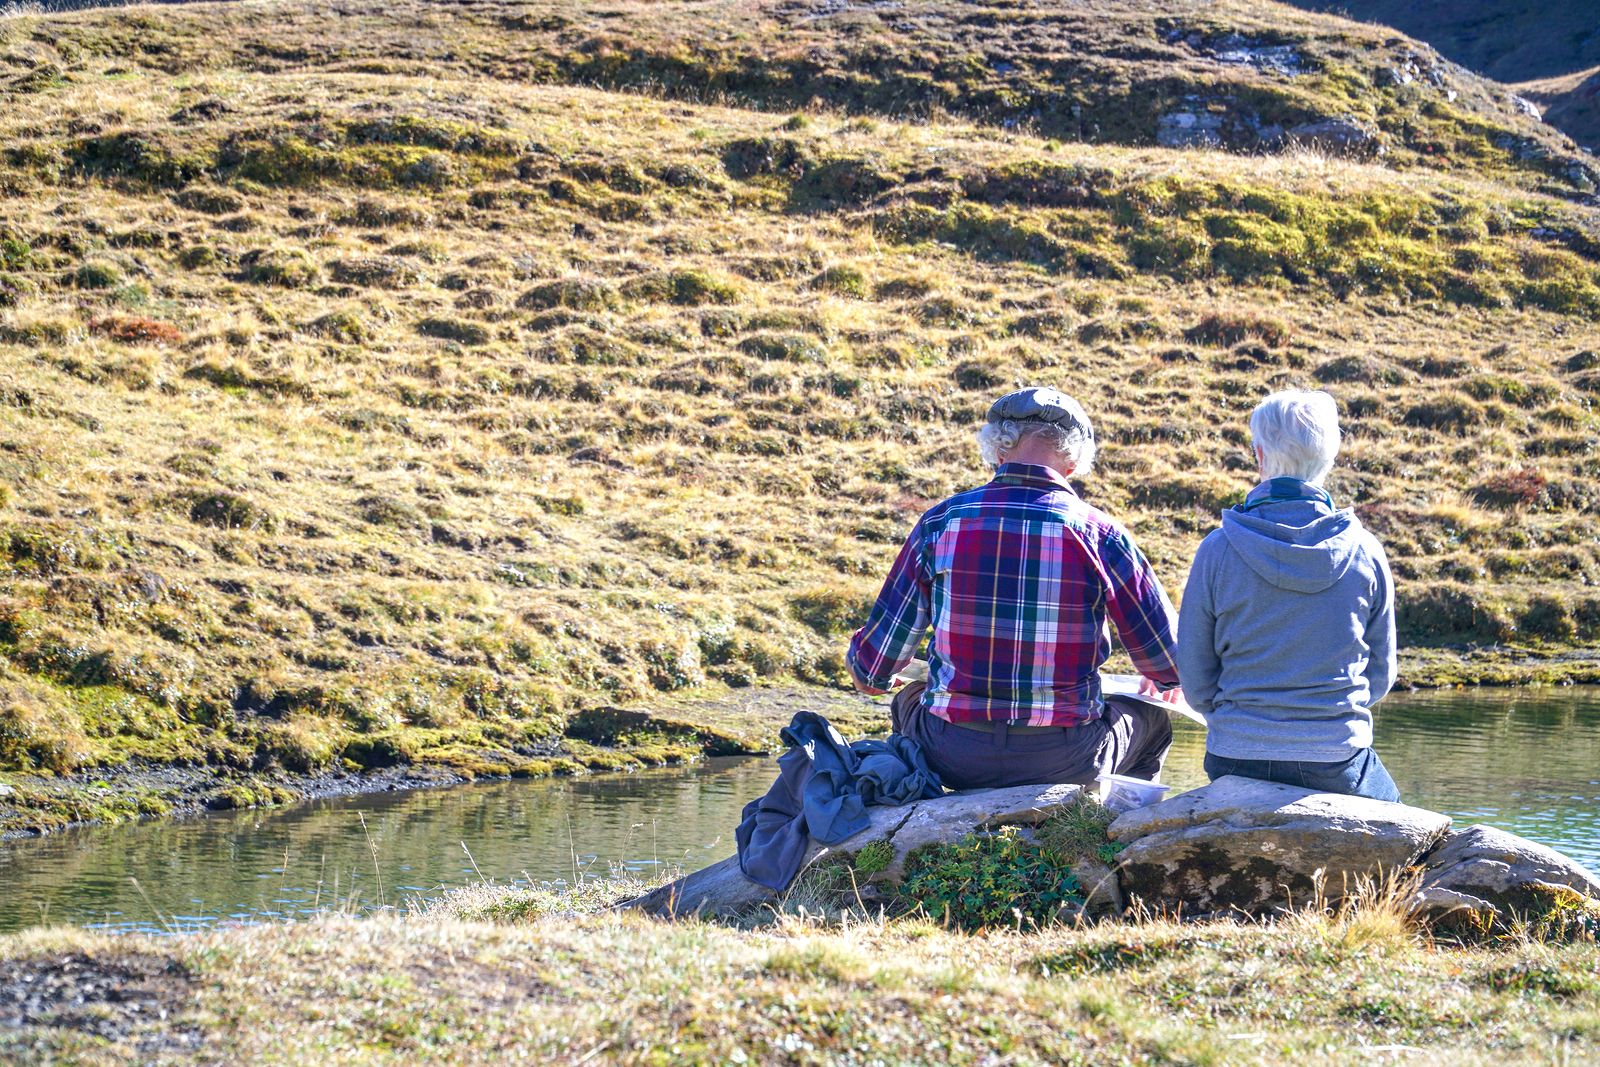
(1016, 579)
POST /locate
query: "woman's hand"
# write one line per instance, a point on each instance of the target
(1147, 688)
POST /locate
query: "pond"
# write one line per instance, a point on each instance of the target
(1528, 761)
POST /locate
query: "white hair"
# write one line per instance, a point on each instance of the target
(1075, 443)
(1297, 432)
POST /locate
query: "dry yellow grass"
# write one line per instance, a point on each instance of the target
(357, 414)
(620, 990)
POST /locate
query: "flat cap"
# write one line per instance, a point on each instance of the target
(1041, 404)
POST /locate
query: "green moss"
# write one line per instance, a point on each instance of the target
(874, 858)
(97, 276)
(844, 280)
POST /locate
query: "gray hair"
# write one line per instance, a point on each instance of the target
(1297, 432)
(1076, 443)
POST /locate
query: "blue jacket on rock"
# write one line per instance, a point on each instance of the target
(824, 786)
(1286, 635)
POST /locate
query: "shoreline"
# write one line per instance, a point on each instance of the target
(706, 723)
(33, 806)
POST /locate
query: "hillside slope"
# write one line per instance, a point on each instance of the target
(1549, 54)
(354, 417)
(1507, 40)
(1571, 103)
(1247, 75)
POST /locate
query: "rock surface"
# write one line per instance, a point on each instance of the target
(1494, 873)
(1243, 845)
(1342, 137)
(722, 889)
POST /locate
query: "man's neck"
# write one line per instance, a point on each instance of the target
(1031, 454)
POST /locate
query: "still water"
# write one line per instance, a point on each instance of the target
(1526, 761)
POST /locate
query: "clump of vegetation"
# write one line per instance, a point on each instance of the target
(1227, 328)
(787, 347)
(458, 330)
(382, 272)
(578, 294)
(97, 276)
(290, 268)
(686, 287)
(346, 327)
(844, 280)
(1512, 489)
(989, 880)
(231, 511)
(131, 331)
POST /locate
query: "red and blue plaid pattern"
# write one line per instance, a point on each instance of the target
(1016, 579)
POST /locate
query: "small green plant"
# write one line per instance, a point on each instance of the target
(1080, 829)
(999, 879)
(97, 276)
(874, 857)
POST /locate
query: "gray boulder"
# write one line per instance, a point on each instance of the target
(1189, 129)
(1493, 875)
(1343, 137)
(1244, 845)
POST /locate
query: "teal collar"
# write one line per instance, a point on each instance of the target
(1284, 490)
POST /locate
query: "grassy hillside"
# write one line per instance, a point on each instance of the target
(1546, 53)
(564, 989)
(372, 398)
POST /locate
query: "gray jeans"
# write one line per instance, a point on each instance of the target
(1131, 737)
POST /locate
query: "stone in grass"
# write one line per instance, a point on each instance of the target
(1482, 874)
(1249, 846)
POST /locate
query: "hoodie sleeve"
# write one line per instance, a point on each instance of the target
(1199, 666)
(1381, 641)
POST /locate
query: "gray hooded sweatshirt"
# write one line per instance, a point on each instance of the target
(1286, 633)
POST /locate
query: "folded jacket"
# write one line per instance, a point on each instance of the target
(822, 791)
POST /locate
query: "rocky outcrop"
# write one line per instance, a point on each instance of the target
(722, 889)
(1236, 846)
(1243, 845)
(1338, 136)
(1493, 875)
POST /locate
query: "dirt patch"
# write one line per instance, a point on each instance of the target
(126, 999)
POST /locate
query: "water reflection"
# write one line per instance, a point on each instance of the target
(1529, 762)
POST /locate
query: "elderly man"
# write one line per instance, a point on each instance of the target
(1286, 639)
(1016, 579)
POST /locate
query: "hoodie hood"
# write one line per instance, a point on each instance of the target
(1297, 545)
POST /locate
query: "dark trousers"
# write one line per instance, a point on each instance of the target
(1362, 775)
(1131, 738)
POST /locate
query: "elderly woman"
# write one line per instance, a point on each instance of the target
(1017, 579)
(1286, 634)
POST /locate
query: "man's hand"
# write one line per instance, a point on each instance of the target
(863, 687)
(1147, 688)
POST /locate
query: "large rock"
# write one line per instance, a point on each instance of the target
(1244, 845)
(1493, 875)
(722, 889)
(1338, 136)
